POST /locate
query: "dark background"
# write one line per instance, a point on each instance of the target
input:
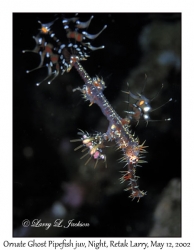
(49, 179)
